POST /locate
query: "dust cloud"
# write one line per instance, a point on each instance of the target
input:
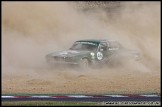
(30, 30)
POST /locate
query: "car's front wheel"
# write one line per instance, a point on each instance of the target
(84, 63)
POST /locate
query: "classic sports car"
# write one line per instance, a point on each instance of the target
(91, 52)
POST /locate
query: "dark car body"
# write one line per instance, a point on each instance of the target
(90, 52)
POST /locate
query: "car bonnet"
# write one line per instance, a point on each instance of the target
(69, 53)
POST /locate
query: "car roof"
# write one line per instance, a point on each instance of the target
(92, 40)
(96, 40)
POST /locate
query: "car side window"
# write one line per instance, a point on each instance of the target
(103, 46)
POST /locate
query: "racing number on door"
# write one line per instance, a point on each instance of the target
(99, 55)
(102, 51)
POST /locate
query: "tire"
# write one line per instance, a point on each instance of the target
(84, 63)
(51, 65)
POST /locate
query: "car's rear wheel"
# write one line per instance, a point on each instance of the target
(84, 63)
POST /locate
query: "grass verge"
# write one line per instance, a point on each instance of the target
(49, 103)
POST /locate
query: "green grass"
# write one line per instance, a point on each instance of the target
(49, 103)
(55, 103)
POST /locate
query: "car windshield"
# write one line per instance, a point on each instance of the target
(84, 46)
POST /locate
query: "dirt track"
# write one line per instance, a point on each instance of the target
(100, 81)
(32, 30)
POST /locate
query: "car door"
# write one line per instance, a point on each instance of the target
(102, 51)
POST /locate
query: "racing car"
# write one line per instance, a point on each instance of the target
(86, 53)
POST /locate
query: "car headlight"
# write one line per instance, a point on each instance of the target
(92, 55)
